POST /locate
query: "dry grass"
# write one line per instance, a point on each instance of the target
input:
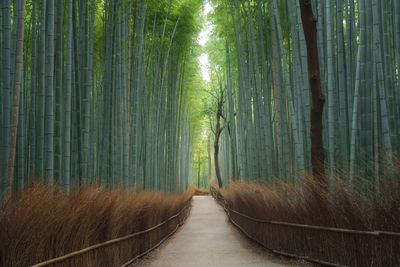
(200, 192)
(310, 204)
(44, 224)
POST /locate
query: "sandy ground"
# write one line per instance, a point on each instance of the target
(208, 239)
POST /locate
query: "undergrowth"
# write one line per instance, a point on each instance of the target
(350, 206)
(43, 223)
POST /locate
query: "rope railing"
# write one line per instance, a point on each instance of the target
(325, 263)
(156, 245)
(219, 198)
(114, 241)
(314, 227)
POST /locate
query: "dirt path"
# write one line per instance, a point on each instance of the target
(208, 239)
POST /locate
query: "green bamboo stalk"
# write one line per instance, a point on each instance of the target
(32, 95)
(360, 70)
(41, 95)
(6, 71)
(49, 106)
(20, 156)
(16, 99)
(330, 88)
(58, 92)
(68, 88)
(387, 146)
(86, 90)
(343, 108)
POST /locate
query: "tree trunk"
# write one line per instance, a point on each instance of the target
(218, 131)
(318, 99)
(198, 173)
(209, 158)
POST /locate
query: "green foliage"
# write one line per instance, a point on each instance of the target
(258, 51)
(120, 104)
(139, 105)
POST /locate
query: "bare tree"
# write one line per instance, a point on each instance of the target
(218, 131)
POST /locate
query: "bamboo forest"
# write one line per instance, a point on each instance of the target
(127, 124)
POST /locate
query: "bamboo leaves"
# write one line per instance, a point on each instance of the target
(110, 112)
(357, 62)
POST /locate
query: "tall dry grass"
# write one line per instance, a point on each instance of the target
(355, 207)
(43, 224)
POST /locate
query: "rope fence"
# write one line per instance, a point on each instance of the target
(393, 238)
(322, 228)
(121, 239)
(156, 245)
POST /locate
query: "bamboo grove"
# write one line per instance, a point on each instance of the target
(102, 93)
(267, 95)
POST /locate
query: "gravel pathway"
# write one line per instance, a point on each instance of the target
(208, 239)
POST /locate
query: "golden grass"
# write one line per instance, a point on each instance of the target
(200, 192)
(43, 224)
(308, 203)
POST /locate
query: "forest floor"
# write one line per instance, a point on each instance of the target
(208, 239)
